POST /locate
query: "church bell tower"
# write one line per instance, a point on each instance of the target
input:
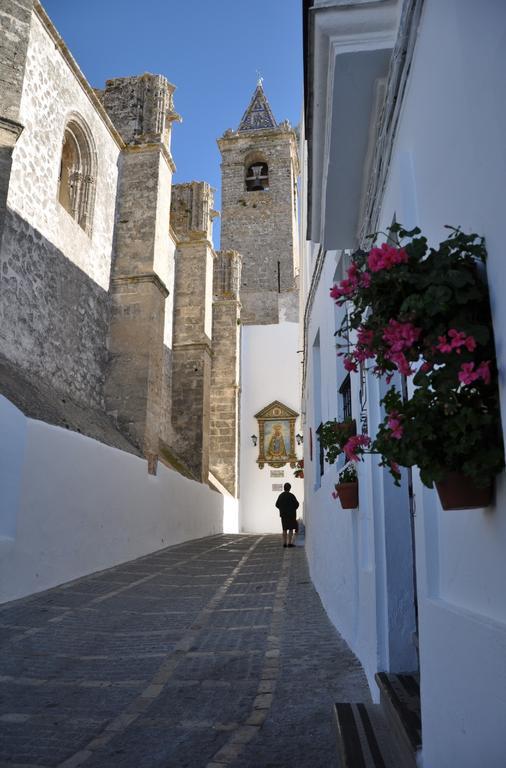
(259, 209)
(259, 222)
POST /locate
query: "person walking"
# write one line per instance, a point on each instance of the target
(288, 505)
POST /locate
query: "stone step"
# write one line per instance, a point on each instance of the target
(400, 702)
(364, 739)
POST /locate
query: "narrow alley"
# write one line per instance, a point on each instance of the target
(212, 653)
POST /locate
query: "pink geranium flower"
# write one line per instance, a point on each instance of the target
(385, 257)
(365, 279)
(468, 373)
(349, 364)
(365, 336)
(348, 286)
(456, 340)
(400, 336)
(354, 443)
(394, 424)
(399, 359)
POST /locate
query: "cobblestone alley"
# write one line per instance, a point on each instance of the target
(212, 653)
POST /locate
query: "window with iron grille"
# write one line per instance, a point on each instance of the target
(321, 451)
(345, 394)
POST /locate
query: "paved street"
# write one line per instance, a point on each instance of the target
(213, 653)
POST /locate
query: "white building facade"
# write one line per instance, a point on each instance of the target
(403, 120)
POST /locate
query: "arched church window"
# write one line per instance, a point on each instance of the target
(257, 177)
(76, 186)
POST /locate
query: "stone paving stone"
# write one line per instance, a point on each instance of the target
(150, 747)
(208, 701)
(47, 744)
(215, 652)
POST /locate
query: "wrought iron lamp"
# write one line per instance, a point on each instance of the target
(299, 438)
(254, 439)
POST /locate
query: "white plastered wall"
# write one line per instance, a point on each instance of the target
(73, 506)
(269, 371)
(448, 167)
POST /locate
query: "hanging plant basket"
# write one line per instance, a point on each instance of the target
(457, 491)
(348, 494)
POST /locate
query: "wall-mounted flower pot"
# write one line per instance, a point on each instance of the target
(457, 491)
(348, 495)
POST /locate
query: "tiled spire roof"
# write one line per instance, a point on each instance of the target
(259, 114)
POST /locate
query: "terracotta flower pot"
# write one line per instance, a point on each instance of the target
(348, 495)
(457, 491)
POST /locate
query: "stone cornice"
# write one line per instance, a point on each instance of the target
(73, 66)
(10, 131)
(205, 346)
(146, 277)
(227, 300)
(233, 137)
(195, 240)
(150, 146)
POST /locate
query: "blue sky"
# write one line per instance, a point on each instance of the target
(210, 49)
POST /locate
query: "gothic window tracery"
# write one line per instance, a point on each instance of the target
(257, 177)
(77, 179)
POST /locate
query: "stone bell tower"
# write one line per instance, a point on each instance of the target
(259, 209)
(259, 222)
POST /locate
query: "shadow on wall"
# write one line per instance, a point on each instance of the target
(54, 322)
(54, 318)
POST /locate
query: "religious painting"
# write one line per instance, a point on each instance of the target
(276, 428)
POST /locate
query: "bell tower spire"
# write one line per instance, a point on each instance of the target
(258, 114)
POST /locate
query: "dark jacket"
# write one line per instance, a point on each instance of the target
(287, 503)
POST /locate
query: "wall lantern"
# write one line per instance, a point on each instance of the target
(299, 438)
(254, 439)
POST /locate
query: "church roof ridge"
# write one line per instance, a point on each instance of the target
(258, 115)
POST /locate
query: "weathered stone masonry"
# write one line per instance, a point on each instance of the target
(261, 225)
(54, 307)
(192, 216)
(225, 415)
(104, 327)
(141, 109)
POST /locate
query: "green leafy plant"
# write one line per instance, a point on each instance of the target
(424, 313)
(299, 469)
(348, 474)
(334, 435)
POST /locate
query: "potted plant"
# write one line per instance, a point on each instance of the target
(333, 436)
(424, 313)
(299, 469)
(347, 488)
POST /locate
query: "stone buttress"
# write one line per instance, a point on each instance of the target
(224, 428)
(141, 109)
(15, 21)
(191, 219)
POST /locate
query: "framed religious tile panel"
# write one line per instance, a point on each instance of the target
(276, 429)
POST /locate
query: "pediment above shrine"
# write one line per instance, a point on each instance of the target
(276, 410)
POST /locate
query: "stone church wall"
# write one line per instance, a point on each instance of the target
(55, 277)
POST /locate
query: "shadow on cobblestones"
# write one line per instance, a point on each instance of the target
(212, 653)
